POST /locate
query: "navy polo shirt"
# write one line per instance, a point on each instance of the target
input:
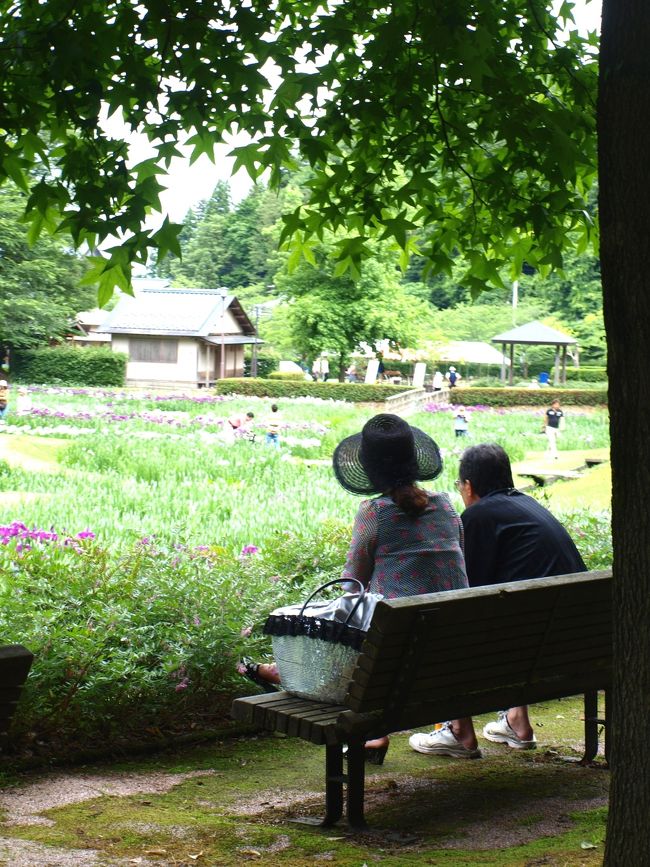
(509, 536)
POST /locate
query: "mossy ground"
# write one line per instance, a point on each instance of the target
(509, 809)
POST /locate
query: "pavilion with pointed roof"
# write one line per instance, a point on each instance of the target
(536, 334)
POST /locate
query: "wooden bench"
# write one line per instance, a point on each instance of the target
(447, 655)
(15, 662)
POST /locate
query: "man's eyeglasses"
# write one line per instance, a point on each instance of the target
(458, 484)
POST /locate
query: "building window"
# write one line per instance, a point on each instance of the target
(153, 350)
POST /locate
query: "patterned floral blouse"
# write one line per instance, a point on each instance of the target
(397, 555)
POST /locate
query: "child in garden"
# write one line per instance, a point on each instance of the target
(4, 398)
(241, 425)
(273, 427)
(461, 422)
(405, 540)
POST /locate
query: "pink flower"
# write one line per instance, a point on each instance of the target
(246, 631)
(248, 550)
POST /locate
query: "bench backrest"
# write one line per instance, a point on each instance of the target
(446, 655)
(15, 662)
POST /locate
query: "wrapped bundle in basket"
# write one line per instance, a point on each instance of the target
(316, 644)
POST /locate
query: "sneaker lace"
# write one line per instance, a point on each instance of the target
(444, 727)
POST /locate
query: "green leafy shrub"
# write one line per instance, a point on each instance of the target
(287, 376)
(63, 365)
(148, 639)
(586, 374)
(528, 396)
(266, 364)
(353, 391)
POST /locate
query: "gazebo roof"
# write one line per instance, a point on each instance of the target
(534, 333)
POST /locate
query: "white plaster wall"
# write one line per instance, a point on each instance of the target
(185, 369)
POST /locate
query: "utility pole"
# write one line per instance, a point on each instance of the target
(257, 309)
(224, 294)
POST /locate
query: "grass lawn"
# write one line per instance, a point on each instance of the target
(593, 490)
(34, 453)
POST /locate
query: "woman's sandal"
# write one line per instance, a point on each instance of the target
(372, 755)
(250, 669)
(375, 755)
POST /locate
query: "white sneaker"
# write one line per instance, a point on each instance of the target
(442, 742)
(500, 732)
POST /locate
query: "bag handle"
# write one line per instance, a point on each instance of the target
(362, 593)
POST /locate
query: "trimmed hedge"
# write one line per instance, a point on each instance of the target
(352, 391)
(63, 365)
(586, 374)
(528, 396)
(287, 376)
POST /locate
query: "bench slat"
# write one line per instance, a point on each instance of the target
(425, 714)
(462, 664)
(288, 714)
(387, 657)
(517, 676)
(483, 603)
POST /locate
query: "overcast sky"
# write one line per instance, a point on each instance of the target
(188, 185)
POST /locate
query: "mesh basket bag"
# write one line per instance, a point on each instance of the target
(316, 644)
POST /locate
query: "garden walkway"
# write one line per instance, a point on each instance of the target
(231, 802)
(570, 464)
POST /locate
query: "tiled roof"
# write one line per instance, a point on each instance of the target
(180, 312)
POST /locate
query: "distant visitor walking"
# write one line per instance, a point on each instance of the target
(554, 424)
(452, 376)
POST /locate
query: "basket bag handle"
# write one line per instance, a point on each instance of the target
(362, 593)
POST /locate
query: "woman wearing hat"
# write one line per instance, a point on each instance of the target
(406, 540)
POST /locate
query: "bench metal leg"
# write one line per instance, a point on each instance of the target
(356, 784)
(334, 780)
(592, 722)
(607, 738)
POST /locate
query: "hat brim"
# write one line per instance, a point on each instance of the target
(351, 475)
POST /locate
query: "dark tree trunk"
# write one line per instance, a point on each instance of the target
(343, 365)
(624, 175)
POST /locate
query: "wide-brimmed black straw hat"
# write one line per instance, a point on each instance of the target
(387, 453)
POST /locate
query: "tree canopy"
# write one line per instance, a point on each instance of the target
(495, 160)
(40, 290)
(335, 314)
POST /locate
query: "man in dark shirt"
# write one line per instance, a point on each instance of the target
(508, 537)
(554, 424)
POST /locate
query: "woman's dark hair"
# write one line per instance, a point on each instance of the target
(487, 467)
(410, 499)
